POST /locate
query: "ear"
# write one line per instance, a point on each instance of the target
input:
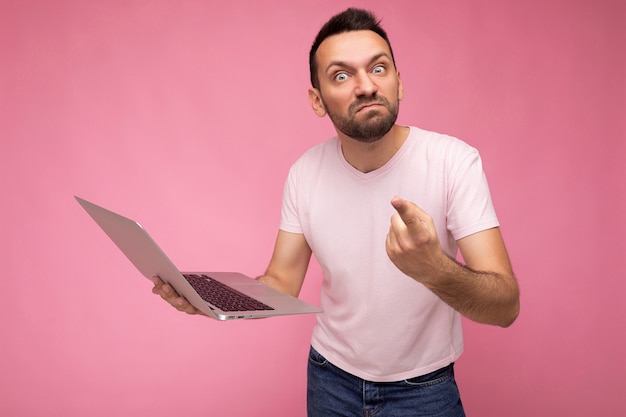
(317, 104)
(400, 88)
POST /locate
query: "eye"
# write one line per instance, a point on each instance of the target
(342, 76)
(378, 69)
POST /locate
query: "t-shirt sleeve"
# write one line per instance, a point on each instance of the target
(470, 208)
(289, 221)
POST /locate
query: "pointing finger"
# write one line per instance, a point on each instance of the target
(408, 212)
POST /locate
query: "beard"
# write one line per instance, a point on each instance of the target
(373, 127)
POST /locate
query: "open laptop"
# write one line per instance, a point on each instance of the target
(221, 295)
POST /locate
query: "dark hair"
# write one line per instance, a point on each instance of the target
(348, 21)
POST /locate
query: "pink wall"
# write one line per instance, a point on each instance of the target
(187, 115)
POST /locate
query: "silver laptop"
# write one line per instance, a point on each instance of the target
(221, 295)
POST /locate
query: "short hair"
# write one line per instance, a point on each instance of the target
(350, 20)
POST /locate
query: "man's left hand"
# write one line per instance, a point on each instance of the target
(412, 242)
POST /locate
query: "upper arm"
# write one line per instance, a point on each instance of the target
(289, 263)
(485, 252)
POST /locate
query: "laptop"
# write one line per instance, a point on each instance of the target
(220, 295)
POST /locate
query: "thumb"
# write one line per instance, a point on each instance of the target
(405, 209)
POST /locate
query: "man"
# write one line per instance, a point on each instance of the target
(392, 293)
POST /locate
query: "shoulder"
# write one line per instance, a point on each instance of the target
(321, 148)
(441, 151)
(317, 154)
(440, 142)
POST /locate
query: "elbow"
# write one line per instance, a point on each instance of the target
(512, 310)
(512, 313)
(510, 318)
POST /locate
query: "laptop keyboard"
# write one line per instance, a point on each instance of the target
(222, 296)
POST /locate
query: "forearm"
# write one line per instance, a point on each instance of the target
(485, 297)
(487, 293)
(280, 285)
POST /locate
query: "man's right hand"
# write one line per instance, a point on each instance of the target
(171, 296)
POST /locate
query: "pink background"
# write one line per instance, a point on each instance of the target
(186, 115)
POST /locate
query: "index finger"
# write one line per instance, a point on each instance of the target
(409, 212)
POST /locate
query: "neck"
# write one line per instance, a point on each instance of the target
(367, 157)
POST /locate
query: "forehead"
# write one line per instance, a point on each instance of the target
(351, 48)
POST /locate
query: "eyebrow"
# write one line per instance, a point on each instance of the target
(344, 64)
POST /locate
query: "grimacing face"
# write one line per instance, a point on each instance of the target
(360, 89)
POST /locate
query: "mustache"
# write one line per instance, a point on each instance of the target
(364, 101)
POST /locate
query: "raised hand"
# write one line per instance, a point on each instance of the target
(412, 242)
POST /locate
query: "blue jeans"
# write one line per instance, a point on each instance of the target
(333, 392)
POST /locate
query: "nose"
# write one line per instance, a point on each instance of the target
(365, 86)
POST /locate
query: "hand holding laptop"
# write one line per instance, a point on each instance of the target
(171, 296)
(220, 295)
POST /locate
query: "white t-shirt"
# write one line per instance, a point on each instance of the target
(378, 323)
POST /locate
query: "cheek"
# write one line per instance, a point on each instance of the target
(392, 91)
(336, 103)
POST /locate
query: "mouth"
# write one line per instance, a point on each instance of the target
(369, 103)
(368, 106)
